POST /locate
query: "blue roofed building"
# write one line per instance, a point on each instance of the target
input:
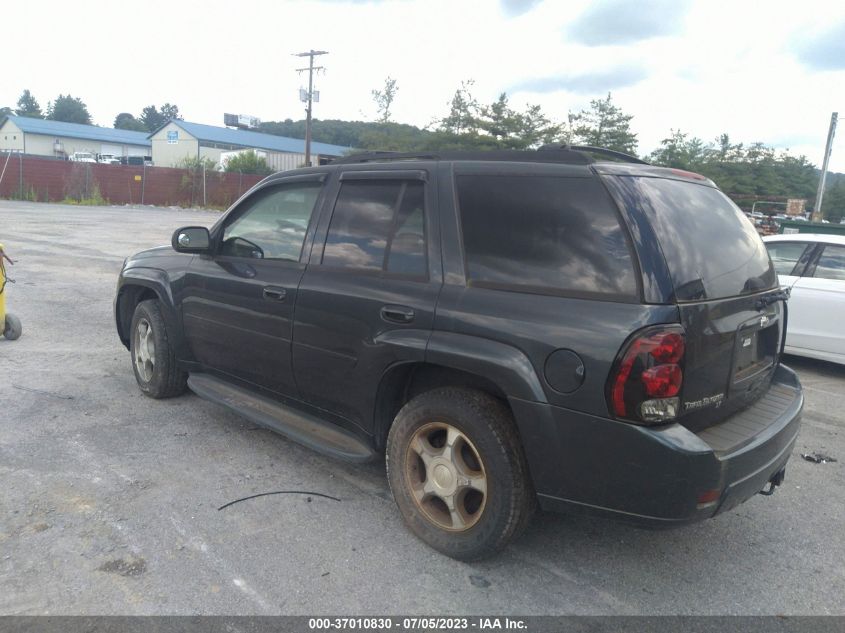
(177, 140)
(168, 146)
(41, 137)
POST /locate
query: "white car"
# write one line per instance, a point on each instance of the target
(82, 157)
(813, 266)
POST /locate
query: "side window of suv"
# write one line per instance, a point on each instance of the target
(378, 225)
(544, 234)
(831, 263)
(273, 223)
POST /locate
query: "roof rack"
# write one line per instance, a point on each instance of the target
(590, 149)
(570, 154)
(374, 157)
(524, 156)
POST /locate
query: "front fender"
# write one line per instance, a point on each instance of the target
(138, 283)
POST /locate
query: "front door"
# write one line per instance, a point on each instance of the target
(237, 304)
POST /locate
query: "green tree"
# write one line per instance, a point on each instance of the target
(727, 151)
(151, 118)
(28, 106)
(604, 125)
(462, 111)
(196, 173)
(384, 99)
(5, 111)
(248, 163)
(744, 172)
(127, 121)
(501, 122)
(389, 137)
(357, 134)
(535, 128)
(833, 204)
(170, 111)
(758, 153)
(798, 176)
(68, 109)
(196, 164)
(471, 126)
(680, 151)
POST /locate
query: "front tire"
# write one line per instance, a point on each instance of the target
(458, 474)
(153, 357)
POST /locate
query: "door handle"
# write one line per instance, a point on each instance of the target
(271, 293)
(397, 314)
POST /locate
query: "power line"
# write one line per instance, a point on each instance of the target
(309, 96)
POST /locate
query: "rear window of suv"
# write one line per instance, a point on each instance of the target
(544, 234)
(710, 247)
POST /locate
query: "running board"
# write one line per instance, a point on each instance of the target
(311, 431)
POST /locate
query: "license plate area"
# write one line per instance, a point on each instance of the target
(756, 350)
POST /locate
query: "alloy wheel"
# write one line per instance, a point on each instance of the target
(145, 350)
(446, 476)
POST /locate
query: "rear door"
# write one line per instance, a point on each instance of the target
(818, 304)
(367, 299)
(724, 285)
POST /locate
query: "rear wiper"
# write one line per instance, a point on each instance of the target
(780, 295)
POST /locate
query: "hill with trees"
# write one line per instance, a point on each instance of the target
(746, 172)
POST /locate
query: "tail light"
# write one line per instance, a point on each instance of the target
(646, 380)
(688, 174)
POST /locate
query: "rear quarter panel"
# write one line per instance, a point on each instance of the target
(537, 324)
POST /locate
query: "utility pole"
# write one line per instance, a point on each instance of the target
(309, 96)
(817, 211)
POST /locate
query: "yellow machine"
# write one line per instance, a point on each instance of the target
(10, 323)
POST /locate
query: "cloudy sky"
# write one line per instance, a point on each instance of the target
(768, 71)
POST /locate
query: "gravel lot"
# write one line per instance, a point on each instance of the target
(108, 499)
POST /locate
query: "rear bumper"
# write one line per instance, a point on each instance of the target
(661, 476)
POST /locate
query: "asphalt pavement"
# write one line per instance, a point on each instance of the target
(109, 500)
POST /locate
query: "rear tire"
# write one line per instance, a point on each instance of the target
(458, 474)
(12, 328)
(153, 357)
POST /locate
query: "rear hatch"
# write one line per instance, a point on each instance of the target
(723, 283)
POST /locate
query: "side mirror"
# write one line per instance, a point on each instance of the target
(191, 239)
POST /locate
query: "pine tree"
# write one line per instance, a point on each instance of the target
(604, 125)
(28, 106)
(68, 109)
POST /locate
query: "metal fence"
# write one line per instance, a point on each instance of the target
(45, 179)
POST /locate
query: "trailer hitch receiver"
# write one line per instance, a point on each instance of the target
(774, 482)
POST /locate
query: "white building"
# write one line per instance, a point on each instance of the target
(177, 140)
(41, 137)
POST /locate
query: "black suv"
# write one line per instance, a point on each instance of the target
(510, 328)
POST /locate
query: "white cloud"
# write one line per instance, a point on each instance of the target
(751, 69)
(608, 22)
